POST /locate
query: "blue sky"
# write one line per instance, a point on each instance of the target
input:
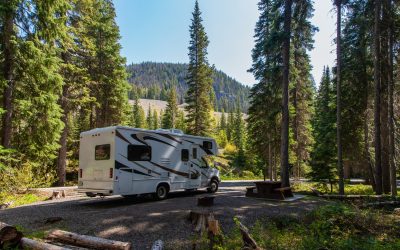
(158, 31)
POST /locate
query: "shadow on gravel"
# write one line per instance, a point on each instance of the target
(119, 201)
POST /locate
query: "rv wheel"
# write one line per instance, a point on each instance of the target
(213, 186)
(161, 192)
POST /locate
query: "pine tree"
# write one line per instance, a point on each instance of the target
(181, 122)
(302, 89)
(75, 91)
(222, 124)
(323, 155)
(171, 111)
(377, 106)
(106, 67)
(155, 124)
(138, 114)
(285, 100)
(199, 79)
(149, 118)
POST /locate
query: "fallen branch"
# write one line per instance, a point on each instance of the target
(38, 245)
(382, 204)
(249, 242)
(88, 241)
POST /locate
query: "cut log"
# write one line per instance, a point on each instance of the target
(58, 194)
(249, 242)
(9, 235)
(38, 245)
(200, 219)
(158, 245)
(87, 241)
(206, 201)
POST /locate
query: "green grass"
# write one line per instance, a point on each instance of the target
(21, 199)
(334, 226)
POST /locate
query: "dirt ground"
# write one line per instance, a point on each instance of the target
(143, 221)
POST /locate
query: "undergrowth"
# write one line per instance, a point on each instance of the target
(335, 226)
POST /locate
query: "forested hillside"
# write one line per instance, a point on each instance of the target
(153, 80)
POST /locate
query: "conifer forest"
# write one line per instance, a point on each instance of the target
(62, 73)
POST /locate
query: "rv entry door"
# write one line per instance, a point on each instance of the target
(125, 181)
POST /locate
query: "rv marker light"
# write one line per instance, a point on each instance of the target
(111, 173)
(80, 173)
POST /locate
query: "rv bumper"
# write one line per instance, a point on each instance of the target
(102, 192)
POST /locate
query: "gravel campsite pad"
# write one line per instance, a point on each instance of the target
(143, 221)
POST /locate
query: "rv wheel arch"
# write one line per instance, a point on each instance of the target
(162, 191)
(213, 186)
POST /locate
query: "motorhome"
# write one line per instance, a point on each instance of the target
(129, 161)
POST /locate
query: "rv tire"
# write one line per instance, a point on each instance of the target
(213, 186)
(161, 192)
(90, 194)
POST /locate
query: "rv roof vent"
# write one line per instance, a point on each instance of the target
(176, 131)
(162, 130)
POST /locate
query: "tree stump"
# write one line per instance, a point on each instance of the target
(88, 241)
(206, 201)
(58, 194)
(200, 219)
(9, 235)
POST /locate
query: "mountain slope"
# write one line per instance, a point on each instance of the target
(153, 80)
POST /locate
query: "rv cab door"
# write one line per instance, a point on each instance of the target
(194, 170)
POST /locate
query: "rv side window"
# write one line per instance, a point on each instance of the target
(194, 153)
(207, 144)
(102, 152)
(139, 153)
(185, 155)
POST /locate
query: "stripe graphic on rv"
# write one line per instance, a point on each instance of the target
(171, 138)
(143, 137)
(140, 165)
(119, 135)
(119, 165)
(172, 170)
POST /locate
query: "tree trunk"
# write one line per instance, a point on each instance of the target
(393, 182)
(285, 95)
(270, 160)
(8, 75)
(377, 108)
(384, 97)
(62, 152)
(338, 100)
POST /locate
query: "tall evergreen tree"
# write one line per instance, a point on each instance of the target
(377, 106)
(149, 118)
(285, 94)
(338, 4)
(199, 79)
(323, 156)
(106, 67)
(171, 112)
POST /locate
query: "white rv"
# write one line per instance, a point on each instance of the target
(128, 161)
